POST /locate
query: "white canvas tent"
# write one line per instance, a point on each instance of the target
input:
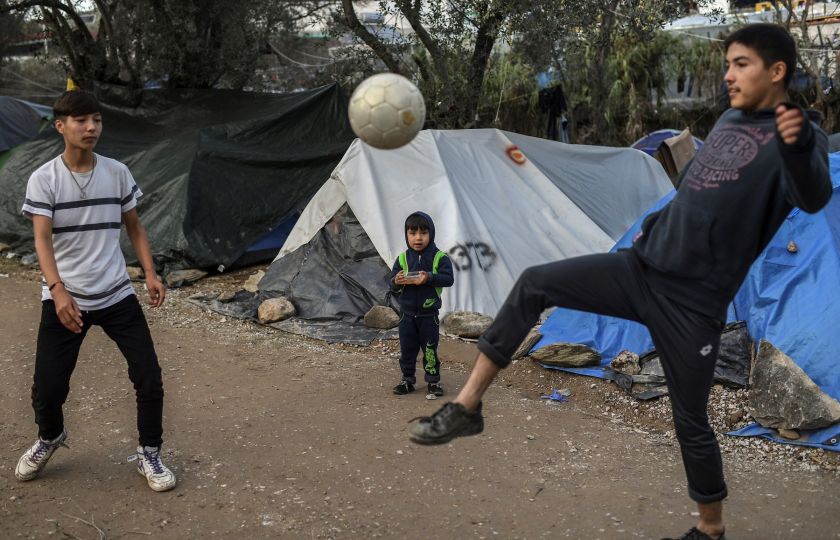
(501, 202)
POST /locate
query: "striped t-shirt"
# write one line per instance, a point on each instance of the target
(86, 230)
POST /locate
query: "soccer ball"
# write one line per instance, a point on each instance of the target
(386, 111)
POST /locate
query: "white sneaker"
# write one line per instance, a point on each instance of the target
(35, 459)
(159, 477)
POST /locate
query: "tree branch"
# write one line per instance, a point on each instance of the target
(438, 56)
(379, 48)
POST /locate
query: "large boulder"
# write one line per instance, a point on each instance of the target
(782, 396)
(275, 309)
(567, 355)
(381, 317)
(465, 324)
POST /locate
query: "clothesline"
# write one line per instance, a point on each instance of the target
(707, 38)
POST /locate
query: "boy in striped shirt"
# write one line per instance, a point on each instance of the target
(78, 203)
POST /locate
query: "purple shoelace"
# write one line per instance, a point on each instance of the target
(153, 458)
(43, 446)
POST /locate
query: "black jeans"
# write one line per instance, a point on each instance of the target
(687, 342)
(58, 350)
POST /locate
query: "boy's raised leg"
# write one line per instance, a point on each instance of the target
(483, 373)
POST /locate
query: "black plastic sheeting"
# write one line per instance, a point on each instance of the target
(332, 281)
(732, 368)
(218, 168)
(20, 121)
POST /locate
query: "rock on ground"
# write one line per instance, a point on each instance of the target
(135, 273)
(226, 296)
(782, 396)
(527, 344)
(466, 324)
(254, 280)
(567, 355)
(179, 278)
(275, 309)
(381, 317)
(626, 362)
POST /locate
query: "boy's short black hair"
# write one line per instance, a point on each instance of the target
(772, 43)
(76, 103)
(416, 222)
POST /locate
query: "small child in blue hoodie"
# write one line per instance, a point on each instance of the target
(418, 276)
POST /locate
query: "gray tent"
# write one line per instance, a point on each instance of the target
(501, 202)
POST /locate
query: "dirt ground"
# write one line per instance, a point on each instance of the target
(277, 436)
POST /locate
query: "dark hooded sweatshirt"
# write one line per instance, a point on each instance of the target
(413, 297)
(731, 200)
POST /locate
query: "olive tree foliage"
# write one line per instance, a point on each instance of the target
(448, 51)
(184, 43)
(614, 61)
(455, 42)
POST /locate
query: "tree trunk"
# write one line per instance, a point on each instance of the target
(379, 48)
(484, 41)
(597, 80)
(439, 59)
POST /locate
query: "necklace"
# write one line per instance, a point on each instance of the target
(82, 188)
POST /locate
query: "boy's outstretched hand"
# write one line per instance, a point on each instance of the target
(789, 123)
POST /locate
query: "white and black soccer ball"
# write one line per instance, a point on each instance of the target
(386, 111)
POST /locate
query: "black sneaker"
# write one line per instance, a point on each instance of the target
(450, 421)
(696, 534)
(435, 390)
(403, 388)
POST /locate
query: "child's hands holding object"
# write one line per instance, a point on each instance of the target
(411, 278)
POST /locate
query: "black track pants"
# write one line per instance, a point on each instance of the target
(419, 334)
(687, 342)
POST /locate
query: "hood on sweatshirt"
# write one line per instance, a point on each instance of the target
(431, 247)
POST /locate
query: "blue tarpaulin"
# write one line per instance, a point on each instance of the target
(827, 439)
(790, 298)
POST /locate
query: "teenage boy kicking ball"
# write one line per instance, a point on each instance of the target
(763, 157)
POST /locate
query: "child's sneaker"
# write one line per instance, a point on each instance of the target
(159, 477)
(403, 388)
(35, 459)
(435, 390)
(450, 421)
